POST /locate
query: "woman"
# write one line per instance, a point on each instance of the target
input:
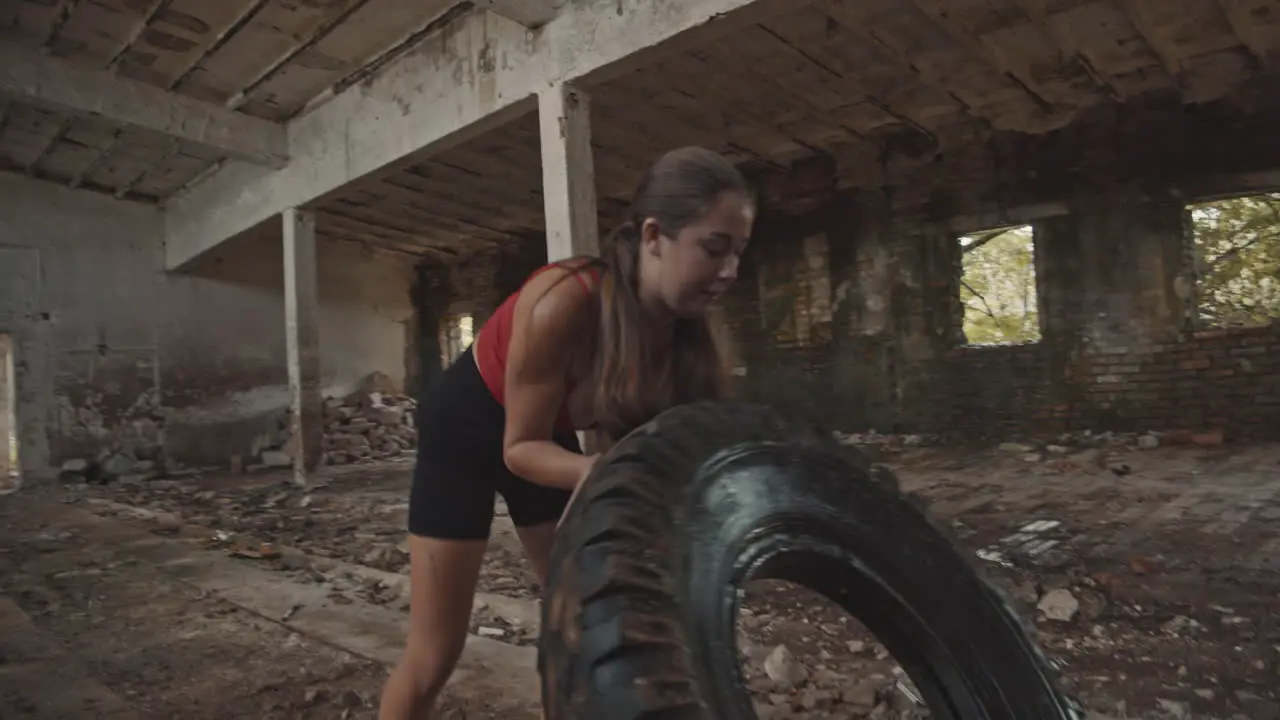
(586, 344)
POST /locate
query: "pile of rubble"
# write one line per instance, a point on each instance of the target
(373, 422)
(1149, 440)
(368, 426)
(112, 445)
(1087, 449)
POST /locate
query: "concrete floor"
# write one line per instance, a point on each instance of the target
(123, 615)
(129, 601)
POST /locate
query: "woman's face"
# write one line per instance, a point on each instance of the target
(689, 271)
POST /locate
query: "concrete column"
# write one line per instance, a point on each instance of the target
(429, 297)
(895, 277)
(7, 404)
(302, 341)
(568, 173)
(1117, 272)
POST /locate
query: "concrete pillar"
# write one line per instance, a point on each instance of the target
(1118, 272)
(302, 341)
(7, 405)
(430, 296)
(568, 173)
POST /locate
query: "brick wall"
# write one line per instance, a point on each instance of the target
(1227, 379)
(1216, 379)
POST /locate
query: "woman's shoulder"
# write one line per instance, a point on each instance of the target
(564, 290)
(581, 274)
(585, 267)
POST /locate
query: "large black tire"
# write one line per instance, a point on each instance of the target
(640, 608)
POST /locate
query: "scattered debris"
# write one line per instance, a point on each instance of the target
(1035, 543)
(1059, 605)
(890, 442)
(784, 669)
(293, 610)
(274, 459)
(263, 551)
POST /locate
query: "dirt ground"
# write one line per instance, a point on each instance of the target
(1152, 577)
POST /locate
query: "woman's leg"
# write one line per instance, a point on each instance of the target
(442, 577)
(460, 429)
(450, 512)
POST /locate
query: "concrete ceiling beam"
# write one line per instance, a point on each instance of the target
(30, 76)
(530, 13)
(483, 72)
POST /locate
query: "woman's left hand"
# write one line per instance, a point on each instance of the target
(586, 471)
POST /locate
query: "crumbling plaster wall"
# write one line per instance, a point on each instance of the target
(113, 352)
(222, 404)
(79, 294)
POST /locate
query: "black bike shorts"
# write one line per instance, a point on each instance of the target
(460, 468)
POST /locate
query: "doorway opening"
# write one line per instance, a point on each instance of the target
(10, 469)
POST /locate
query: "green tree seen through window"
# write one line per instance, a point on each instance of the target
(998, 287)
(1238, 255)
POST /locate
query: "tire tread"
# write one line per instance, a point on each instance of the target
(616, 557)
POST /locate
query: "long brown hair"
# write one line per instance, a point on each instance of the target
(634, 380)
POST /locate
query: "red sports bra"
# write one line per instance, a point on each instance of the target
(491, 343)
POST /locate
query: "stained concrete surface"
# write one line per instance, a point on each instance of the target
(1158, 593)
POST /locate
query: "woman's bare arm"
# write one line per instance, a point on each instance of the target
(548, 321)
